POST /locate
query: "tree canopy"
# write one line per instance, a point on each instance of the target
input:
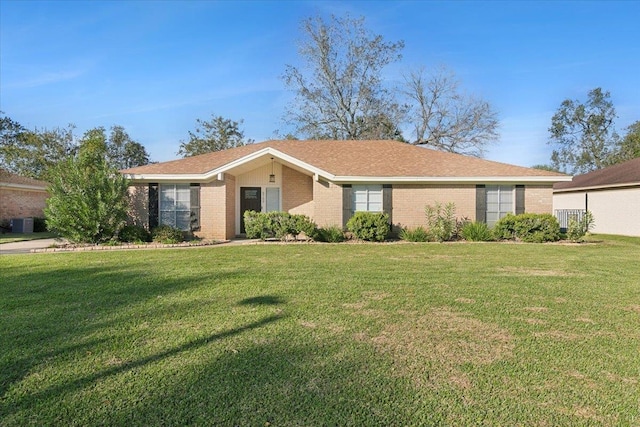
(339, 86)
(582, 133)
(213, 135)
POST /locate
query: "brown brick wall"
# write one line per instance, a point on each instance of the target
(297, 192)
(538, 198)
(327, 200)
(21, 203)
(409, 201)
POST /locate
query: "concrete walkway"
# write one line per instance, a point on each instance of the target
(26, 247)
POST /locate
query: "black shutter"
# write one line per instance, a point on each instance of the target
(387, 201)
(481, 203)
(347, 204)
(153, 206)
(519, 199)
(195, 207)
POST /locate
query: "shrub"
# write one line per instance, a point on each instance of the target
(418, 234)
(373, 226)
(39, 225)
(476, 232)
(528, 227)
(265, 225)
(577, 229)
(134, 234)
(441, 221)
(331, 234)
(167, 234)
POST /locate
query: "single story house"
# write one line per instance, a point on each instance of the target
(21, 197)
(611, 194)
(328, 181)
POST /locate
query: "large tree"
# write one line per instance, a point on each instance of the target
(583, 134)
(214, 135)
(33, 153)
(445, 118)
(339, 87)
(629, 146)
(123, 152)
(89, 199)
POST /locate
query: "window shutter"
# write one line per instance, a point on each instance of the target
(481, 203)
(194, 201)
(347, 204)
(387, 200)
(519, 199)
(153, 206)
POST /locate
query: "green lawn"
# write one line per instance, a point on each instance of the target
(306, 335)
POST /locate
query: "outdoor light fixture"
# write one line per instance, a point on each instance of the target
(272, 177)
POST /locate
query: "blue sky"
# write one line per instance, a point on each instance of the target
(154, 67)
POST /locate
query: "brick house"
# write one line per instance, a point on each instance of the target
(611, 194)
(328, 181)
(21, 197)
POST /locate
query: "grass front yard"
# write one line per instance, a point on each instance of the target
(281, 335)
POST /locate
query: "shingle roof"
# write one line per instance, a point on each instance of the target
(627, 173)
(355, 158)
(7, 177)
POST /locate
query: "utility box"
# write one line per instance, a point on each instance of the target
(22, 225)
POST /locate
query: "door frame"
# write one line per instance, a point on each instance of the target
(244, 207)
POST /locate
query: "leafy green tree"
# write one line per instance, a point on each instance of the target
(339, 88)
(123, 152)
(583, 134)
(214, 135)
(629, 146)
(547, 168)
(33, 153)
(89, 198)
(444, 117)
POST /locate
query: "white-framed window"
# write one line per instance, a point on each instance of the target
(367, 198)
(499, 202)
(175, 206)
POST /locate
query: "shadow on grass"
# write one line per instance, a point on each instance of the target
(263, 300)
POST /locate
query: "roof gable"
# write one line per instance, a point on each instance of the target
(342, 160)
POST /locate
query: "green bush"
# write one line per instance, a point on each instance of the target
(266, 225)
(331, 234)
(167, 234)
(528, 227)
(39, 225)
(577, 229)
(418, 234)
(441, 221)
(134, 234)
(476, 232)
(373, 226)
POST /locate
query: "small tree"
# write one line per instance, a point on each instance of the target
(89, 198)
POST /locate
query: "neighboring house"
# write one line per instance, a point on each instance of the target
(611, 194)
(21, 197)
(328, 181)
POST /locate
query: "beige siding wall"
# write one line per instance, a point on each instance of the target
(297, 192)
(327, 200)
(22, 203)
(614, 211)
(139, 206)
(410, 200)
(538, 198)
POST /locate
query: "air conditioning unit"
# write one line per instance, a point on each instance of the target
(22, 225)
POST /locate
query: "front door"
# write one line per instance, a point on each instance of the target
(249, 201)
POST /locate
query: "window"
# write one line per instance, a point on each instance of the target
(273, 199)
(499, 202)
(175, 205)
(367, 198)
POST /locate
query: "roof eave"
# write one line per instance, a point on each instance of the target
(597, 187)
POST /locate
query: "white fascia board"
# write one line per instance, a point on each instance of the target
(452, 179)
(164, 177)
(23, 186)
(598, 187)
